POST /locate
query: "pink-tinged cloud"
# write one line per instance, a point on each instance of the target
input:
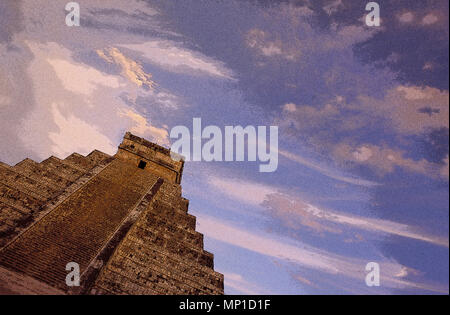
(297, 213)
(175, 58)
(306, 256)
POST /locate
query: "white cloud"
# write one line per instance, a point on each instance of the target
(248, 192)
(82, 79)
(325, 171)
(362, 154)
(304, 255)
(429, 19)
(383, 226)
(428, 66)
(75, 135)
(406, 17)
(260, 42)
(237, 282)
(293, 211)
(383, 159)
(172, 57)
(141, 127)
(414, 93)
(131, 70)
(290, 107)
(81, 104)
(411, 109)
(296, 213)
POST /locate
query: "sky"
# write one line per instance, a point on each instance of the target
(362, 114)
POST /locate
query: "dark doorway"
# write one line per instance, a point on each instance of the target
(142, 164)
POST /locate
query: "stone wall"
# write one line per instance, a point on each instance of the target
(123, 221)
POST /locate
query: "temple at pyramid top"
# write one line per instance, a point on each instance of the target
(121, 219)
(145, 153)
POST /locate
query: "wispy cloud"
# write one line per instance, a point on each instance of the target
(130, 69)
(241, 285)
(80, 102)
(244, 191)
(79, 78)
(325, 171)
(83, 136)
(143, 128)
(304, 255)
(173, 57)
(297, 213)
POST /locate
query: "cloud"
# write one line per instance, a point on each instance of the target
(172, 57)
(415, 93)
(141, 127)
(84, 137)
(290, 107)
(406, 17)
(333, 7)
(80, 103)
(237, 282)
(263, 245)
(296, 214)
(259, 41)
(81, 79)
(130, 69)
(308, 117)
(248, 192)
(305, 256)
(341, 128)
(100, 23)
(403, 107)
(445, 168)
(325, 171)
(292, 47)
(383, 159)
(429, 19)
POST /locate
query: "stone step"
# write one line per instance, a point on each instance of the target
(19, 199)
(63, 168)
(183, 204)
(201, 256)
(12, 177)
(97, 157)
(174, 230)
(162, 279)
(45, 175)
(172, 214)
(36, 270)
(165, 238)
(80, 161)
(150, 254)
(87, 162)
(80, 226)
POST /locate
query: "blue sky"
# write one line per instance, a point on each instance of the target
(362, 115)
